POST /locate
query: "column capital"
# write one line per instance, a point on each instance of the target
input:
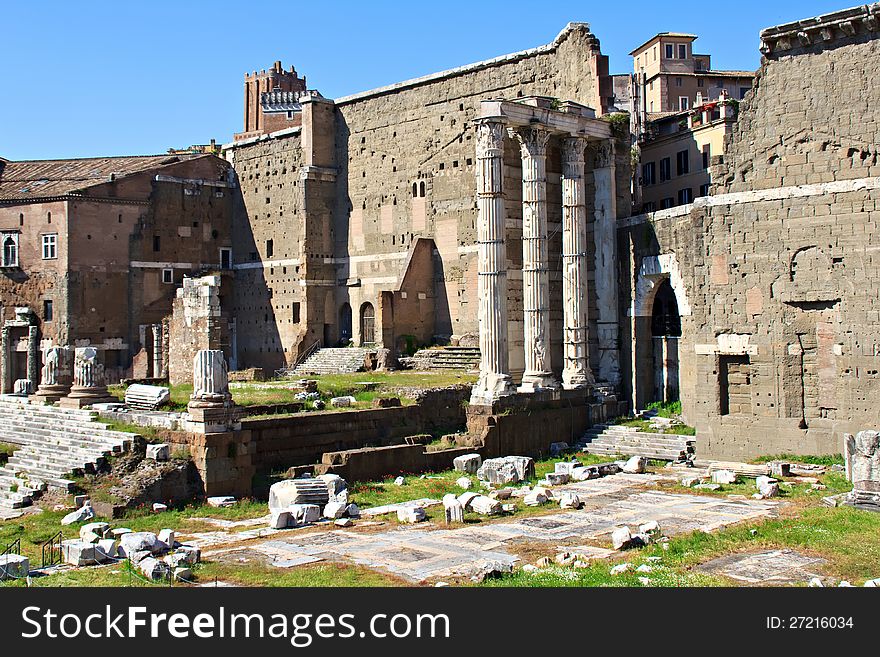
(603, 154)
(573, 149)
(490, 134)
(532, 140)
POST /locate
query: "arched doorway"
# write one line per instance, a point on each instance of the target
(345, 323)
(368, 323)
(665, 336)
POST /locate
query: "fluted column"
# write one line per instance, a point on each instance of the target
(536, 274)
(576, 371)
(210, 379)
(494, 381)
(89, 386)
(56, 376)
(605, 235)
(157, 351)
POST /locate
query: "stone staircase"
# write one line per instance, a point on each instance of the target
(446, 358)
(333, 360)
(53, 443)
(613, 440)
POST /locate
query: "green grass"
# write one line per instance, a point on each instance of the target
(280, 391)
(324, 575)
(666, 409)
(35, 529)
(835, 481)
(6, 450)
(677, 428)
(827, 460)
(436, 485)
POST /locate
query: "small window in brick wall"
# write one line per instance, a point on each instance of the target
(168, 276)
(47, 310)
(294, 312)
(270, 248)
(156, 242)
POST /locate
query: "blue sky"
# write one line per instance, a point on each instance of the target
(96, 78)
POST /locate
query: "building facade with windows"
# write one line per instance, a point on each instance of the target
(676, 153)
(672, 78)
(93, 250)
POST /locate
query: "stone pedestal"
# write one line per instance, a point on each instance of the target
(494, 381)
(210, 408)
(862, 454)
(576, 371)
(88, 381)
(536, 275)
(56, 377)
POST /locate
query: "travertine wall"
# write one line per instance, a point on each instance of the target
(397, 164)
(780, 351)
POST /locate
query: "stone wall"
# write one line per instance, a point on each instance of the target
(775, 274)
(345, 198)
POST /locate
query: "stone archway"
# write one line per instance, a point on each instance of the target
(665, 336)
(368, 323)
(345, 323)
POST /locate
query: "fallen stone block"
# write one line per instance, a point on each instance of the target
(79, 501)
(645, 568)
(80, 515)
(14, 566)
(708, 486)
(463, 482)
(650, 529)
(769, 490)
(872, 583)
(507, 470)
(298, 491)
(621, 538)
(221, 501)
(342, 402)
(106, 549)
(566, 467)
(469, 463)
(304, 514)
(411, 514)
(353, 511)
(489, 569)
(153, 569)
(336, 485)
(508, 508)
(557, 478)
(343, 522)
(466, 498)
(620, 568)
(723, 477)
(583, 473)
(140, 541)
(570, 501)
(635, 465)
(78, 553)
(160, 452)
(185, 555)
(119, 532)
(535, 498)
(158, 507)
(501, 493)
(147, 397)
(485, 506)
(453, 509)
(182, 574)
(89, 537)
(99, 529)
(689, 482)
(166, 536)
(334, 510)
(780, 468)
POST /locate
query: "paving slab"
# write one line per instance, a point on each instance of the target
(774, 567)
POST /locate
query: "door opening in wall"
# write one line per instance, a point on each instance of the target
(665, 336)
(368, 324)
(734, 379)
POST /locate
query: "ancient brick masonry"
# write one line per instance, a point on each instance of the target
(775, 276)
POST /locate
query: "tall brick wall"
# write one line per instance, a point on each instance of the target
(781, 351)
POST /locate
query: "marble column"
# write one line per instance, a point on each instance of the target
(56, 376)
(33, 356)
(536, 274)
(210, 379)
(576, 371)
(494, 381)
(88, 380)
(605, 235)
(157, 351)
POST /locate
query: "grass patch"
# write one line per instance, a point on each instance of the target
(639, 424)
(325, 574)
(666, 409)
(6, 450)
(826, 460)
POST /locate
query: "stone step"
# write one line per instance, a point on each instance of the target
(59, 455)
(77, 433)
(629, 450)
(634, 440)
(23, 434)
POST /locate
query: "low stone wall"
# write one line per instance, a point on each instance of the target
(371, 464)
(527, 424)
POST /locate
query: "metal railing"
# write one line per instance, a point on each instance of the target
(287, 371)
(51, 550)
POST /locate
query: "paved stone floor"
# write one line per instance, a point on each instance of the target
(773, 567)
(429, 551)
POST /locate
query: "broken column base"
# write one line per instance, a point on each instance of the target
(51, 394)
(864, 500)
(80, 397)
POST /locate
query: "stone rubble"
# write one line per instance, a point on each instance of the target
(468, 463)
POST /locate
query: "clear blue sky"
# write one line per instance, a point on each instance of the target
(96, 78)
